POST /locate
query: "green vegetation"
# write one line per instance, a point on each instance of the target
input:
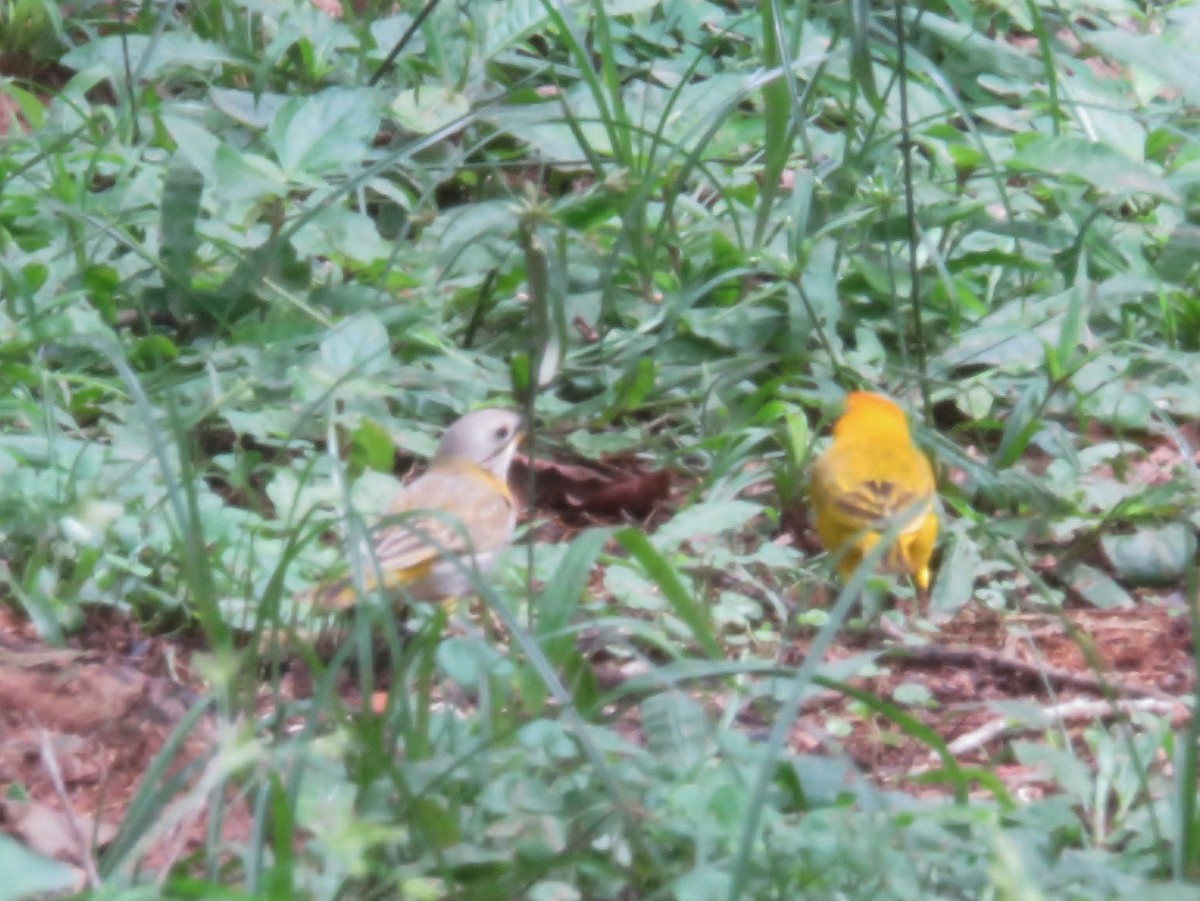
(237, 269)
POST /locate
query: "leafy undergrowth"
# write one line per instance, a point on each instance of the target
(252, 261)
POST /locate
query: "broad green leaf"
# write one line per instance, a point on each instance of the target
(373, 445)
(1155, 54)
(336, 230)
(324, 133)
(28, 875)
(1000, 345)
(675, 728)
(509, 22)
(1152, 555)
(193, 142)
(469, 661)
(741, 327)
(1098, 588)
(30, 106)
(1063, 766)
(912, 694)
(247, 107)
(704, 520)
(356, 347)
(612, 440)
(954, 581)
(1101, 166)
(1120, 405)
(147, 56)
(980, 51)
(428, 109)
(630, 7)
(635, 385)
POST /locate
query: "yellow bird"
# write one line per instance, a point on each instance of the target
(871, 479)
(463, 494)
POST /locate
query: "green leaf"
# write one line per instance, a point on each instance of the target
(427, 109)
(356, 347)
(324, 133)
(27, 874)
(635, 385)
(1071, 330)
(706, 519)
(995, 345)
(510, 22)
(1020, 425)
(152, 352)
(740, 327)
(1098, 589)
(519, 374)
(469, 661)
(675, 728)
(1106, 169)
(954, 584)
(28, 104)
(147, 56)
(912, 694)
(1151, 556)
(1157, 55)
(372, 446)
(336, 230)
(861, 64)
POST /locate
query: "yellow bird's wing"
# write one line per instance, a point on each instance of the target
(856, 487)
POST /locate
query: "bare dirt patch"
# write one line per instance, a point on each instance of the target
(80, 727)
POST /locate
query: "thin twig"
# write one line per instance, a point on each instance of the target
(50, 763)
(388, 60)
(1052, 675)
(939, 655)
(1066, 712)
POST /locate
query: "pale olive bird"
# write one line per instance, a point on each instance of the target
(870, 479)
(461, 514)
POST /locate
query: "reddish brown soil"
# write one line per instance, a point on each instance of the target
(80, 727)
(1078, 667)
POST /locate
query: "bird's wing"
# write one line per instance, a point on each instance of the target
(854, 490)
(468, 500)
(405, 549)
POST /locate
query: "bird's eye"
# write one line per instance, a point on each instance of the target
(502, 433)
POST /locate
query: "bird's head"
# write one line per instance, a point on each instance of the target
(867, 407)
(487, 438)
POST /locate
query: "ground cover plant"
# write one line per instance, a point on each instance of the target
(256, 254)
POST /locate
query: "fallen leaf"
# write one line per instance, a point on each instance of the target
(55, 833)
(583, 491)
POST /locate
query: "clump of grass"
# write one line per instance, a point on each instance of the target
(31, 36)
